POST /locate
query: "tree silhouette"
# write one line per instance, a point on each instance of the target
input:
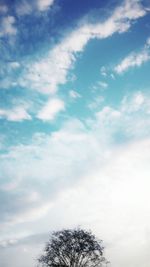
(72, 248)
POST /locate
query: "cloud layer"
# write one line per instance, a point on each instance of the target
(50, 177)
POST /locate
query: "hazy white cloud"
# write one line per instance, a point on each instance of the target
(74, 94)
(108, 113)
(103, 71)
(23, 8)
(26, 7)
(133, 108)
(6, 243)
(51, 109)
(7, 70)
(35, 211)
(18, 113)
(7, 26)
(60, 156)
(96, 103)
(14, 65)
(148, 42)
(115, 211)
(103, 84)
(137, 102)
(43, 5)
(79, 166)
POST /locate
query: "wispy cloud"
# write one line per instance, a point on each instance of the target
(136, 103)
(48, 73)
(102, 84)
(74, 94)
(26, 7)
(7, 26)
(96, 103)
(51, 109)
(23, 8)
(103, 71)
(18, 113)
(134, 60)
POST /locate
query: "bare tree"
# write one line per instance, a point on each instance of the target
(72, 248)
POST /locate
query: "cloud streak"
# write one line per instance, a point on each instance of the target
(134, 60)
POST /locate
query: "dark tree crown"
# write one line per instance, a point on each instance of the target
(72, 248)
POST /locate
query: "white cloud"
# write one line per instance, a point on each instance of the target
(18, 113)
(103, 71)
(135, 103)
(115, 211)
(131, 10)
(103, 84)
(119, 122)
(44, 4)
(5, 243)
(7, 26)
(74, 94)
(108, 113)
(51, 109)
(96, 103)
(134, 59)
(59, 156)
(32, 213)
(48, 73)
(14, 65)
(148, 42)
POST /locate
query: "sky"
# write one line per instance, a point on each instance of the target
(75, 126)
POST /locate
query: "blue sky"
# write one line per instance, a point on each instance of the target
(74, 126)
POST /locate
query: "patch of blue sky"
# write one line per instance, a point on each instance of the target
(22, 132)
(77, 9)
(108, 52)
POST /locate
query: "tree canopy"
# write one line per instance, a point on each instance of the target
(72, 248)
